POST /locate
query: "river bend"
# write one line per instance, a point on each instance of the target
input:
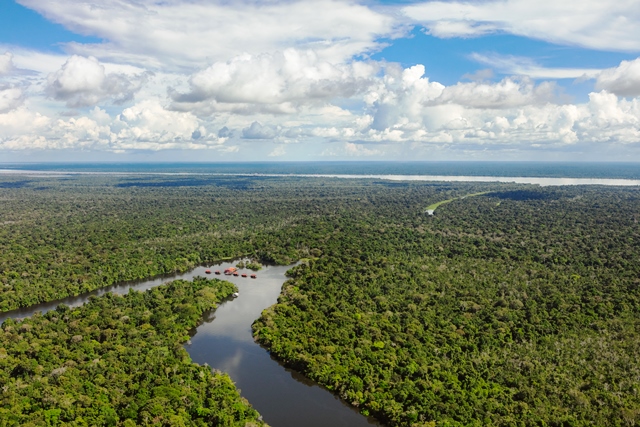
(224, 341)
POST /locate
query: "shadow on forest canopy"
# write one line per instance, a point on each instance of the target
(522, 195)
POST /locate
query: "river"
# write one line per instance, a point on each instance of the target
(224, 341)
(541, 181)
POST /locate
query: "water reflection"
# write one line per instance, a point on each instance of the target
(224, 340)
(119, 289)
(283, 397)
(542, 181)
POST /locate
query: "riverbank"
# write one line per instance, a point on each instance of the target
(223, 341)
(107, 363)
(284, 397)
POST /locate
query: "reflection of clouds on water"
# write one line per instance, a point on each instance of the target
(267, 275)
(231, 364)
(506, 179)
(235, 316)
(117, 289)
(226, 325)
(209, 316)
(285, 398)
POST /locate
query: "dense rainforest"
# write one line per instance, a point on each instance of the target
(66, 236)
(494, 311)
(117, 360)
(518, 306)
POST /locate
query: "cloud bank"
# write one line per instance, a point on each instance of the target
(268, 79)
(272, 83)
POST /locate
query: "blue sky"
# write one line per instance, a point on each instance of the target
(319, 80)
(20, 26)
(448, 60)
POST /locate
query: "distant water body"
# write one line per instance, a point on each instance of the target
(615, 174)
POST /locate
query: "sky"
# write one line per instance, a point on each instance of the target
(261, 80)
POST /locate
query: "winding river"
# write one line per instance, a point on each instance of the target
(224, 341)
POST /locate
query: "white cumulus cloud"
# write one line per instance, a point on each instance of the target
(83, 82)
(504, 94)
(146, 125)
(279, 151)
(21, 121)
(405, 104)
(407, 108)
(10, 98)
(277, 82)
(257, 131)
(623, 80)
(149, 121)
(359, 150)
(610, 113)
(400, 96)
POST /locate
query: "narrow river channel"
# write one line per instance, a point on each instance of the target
(224, 341)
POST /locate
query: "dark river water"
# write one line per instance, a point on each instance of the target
(224, 341)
